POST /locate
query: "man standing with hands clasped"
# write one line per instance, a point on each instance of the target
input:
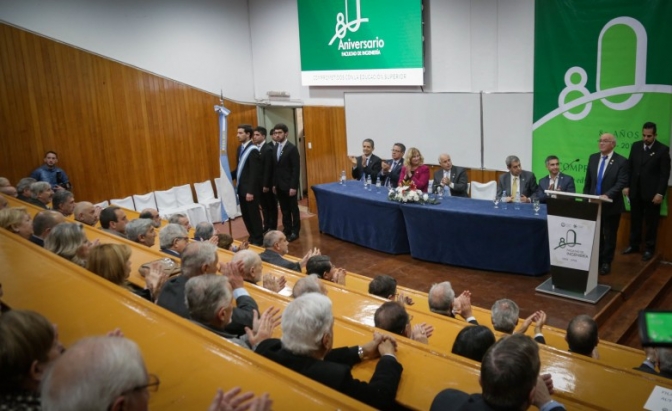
(649, 171)
(286, 187)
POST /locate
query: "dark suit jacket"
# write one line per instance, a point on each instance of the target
(454, 400)
(36, 240)
(393, 175)
(614, 180)
(36, 202)
(648, 172)
(251, 174)
(644, 367)
(172, 299)
(526, 180)
(565, 182)
(334, 372)
(271, 257)
(268, 164)
(458, 176)
(287, 168)
(372, 169)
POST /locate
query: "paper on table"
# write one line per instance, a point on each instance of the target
(659, 400)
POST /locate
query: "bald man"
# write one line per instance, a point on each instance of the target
(86, 213)
(452, 179)
(43, 223)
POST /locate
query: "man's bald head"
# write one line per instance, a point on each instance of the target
(9, 190)
(44, 221)
(85, 212)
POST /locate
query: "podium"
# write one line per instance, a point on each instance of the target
(574, 246)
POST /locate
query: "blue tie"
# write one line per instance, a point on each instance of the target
(600, 173)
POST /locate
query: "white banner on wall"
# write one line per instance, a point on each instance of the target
(570, 241)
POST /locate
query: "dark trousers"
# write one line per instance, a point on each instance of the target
(643, 211)
(269, 209)
(291, 218)
(252, 219)
(608, 233)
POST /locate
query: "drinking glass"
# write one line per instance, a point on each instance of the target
(496, 201)
(536, 205)
(439, 191)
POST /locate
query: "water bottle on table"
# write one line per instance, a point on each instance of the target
(343, 177)
(504, 204)
(430, 187)
(368, 182)
(378, 184)
(516, 201)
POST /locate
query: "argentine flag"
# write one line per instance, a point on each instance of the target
(227, 194)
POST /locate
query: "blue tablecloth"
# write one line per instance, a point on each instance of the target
(459, 231)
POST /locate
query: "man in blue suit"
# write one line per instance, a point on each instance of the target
(555, 180)
(390, 169)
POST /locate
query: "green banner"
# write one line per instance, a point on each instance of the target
(360, 42)
(600, 66)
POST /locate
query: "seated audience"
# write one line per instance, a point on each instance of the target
(3, 202)
(252, 271)
(63, 201)
(504, 314)
(225, 241)
(41, 194)
(209, 301)
(509, 378)
(54, 176)
(180, 219)
(392, 317)
(113, 220)
(4, 182)
(85, 213)
(308, 284)
(322, 266)
(113, 263)
(17, 220)
(152, 214)
(582, 336)
(441, 299)
(415, 170)
(173, 239)
(516, 181)
(306, 347)
(23, 188)
(28, 345)
(473, 341)
(141, 231)
(276, 245)
(43, 223)
(452, 179)
(69, 241)
(205, 231)
(555, 180)
(201, 258)
(385, 286)
(91, 376)
(9, 191)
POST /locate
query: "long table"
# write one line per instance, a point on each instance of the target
(458, 231)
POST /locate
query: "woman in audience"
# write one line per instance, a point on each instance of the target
(28, 345)
(17, 220)
(113, 263)
(473, 341)
(414, 170)
(69, 241)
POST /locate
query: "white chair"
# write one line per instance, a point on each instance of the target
(143, 201)
(102, 204)
(123, 202)
(206, 196)
(168, 205)
(484, 191)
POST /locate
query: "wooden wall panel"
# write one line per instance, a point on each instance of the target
(117, 129)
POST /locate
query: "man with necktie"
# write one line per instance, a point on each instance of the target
(515, 181)
(452, 179)
(607, 176)
(649, 171)
(390, 169)
(248, 177)
(286, 176)
(368, 164)
(555, 180)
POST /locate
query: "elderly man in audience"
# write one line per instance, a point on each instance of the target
(4, 182)
(582, 336)
(252, 271)
(452, 179)
(306, 347)
(113, 220)
(201, 258)
(9, 191)
(180, 219)
(276, 245)
(308, 284)
(141, 230)
(392, 317)
(385, 286)
(63, 202)
(205, 231)
(441, 299)
(473, 342)
(23, 188)
(43, 222)
(91, 376)
(173, 239)
(153, 215)
(41, 194)
(660, 357)
(86, 213)
(504, 314)
(3, 202)
(53, 175)
(516, 181)
(322, 266)
(510, 380)
(209, 300)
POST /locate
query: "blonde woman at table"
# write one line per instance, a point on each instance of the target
(414, 170)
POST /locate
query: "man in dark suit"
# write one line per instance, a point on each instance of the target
(649, 171)
(581, 336)
(607, 176)
(269, 205)
(555, 180)
(390, 169)
(368, 164)
(276, 245)
(510, 380)
(516, 181)
(248, 175)
(451, 178)
(306, 347)
(442, 301)
(287, 172)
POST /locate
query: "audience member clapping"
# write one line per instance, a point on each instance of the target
(322, 266)
(141, 231)
(582, 336)
(392, 317)
(253, 273)
(441, 299)
(505, 314)
(308, 284)
(385, 286)
(17, 220)
(276, 246)
(473, 341)
(205, 231)
(69, 241)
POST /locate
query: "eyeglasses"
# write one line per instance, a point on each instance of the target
(605, 141)
(151, 386)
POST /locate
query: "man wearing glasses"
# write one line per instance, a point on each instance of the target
(390, 169)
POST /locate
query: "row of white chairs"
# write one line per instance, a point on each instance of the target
(179, 200)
